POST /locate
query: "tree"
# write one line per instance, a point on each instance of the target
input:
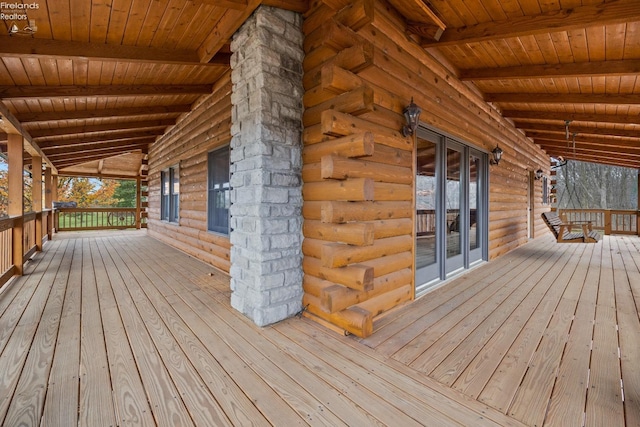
(581, 185)
(125, 194)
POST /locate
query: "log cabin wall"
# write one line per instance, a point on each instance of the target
(361, 70)
(187, 144)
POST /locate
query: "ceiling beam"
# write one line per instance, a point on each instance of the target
(10, 124)
(300, 6)
(578, 117)
(112, 138)
(421, 20)
(65, 161)
(563, 98)
(611, 12)
(21, 92)
(631, 151)
(73, 152)
(43, 134)
(594, 140)
(224, 29)
(50, 116)
(582, 130)
(143, 142)
(227, 4)
(600, 159)
(28, 47)
(547, 71)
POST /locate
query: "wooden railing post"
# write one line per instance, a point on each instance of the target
(15, 148)
(48, 200)
(36, 173)
(607, 222)
(138, 203)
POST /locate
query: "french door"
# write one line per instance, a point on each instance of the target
(451, 202)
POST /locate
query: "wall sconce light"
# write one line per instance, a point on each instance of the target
(412, 115)
(539, 174)
(497, 155)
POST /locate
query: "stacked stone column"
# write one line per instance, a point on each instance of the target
(266, 165)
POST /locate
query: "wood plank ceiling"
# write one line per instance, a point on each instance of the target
(105, 78)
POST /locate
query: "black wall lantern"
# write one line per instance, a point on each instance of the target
(412, 116)
(497, 155)
(539, 174)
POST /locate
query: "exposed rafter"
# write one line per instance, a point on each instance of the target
(593, 140)
(28, 47)
(19, 92)
(563, 98)
(141, 142)
(576, 117)
(611, 12)
(421, 20)
(109, 127)
(50, 116)
(581, 69)
(588, 130)
(112, 138)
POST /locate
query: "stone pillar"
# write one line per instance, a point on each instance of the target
(266, 166)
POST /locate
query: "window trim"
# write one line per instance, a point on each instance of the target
(211, 154)
(170, 202)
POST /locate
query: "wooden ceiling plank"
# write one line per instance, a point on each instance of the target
(27, 47)
(101, 90)
(600, 68)
(103, 113)
(604, 160)
(107, 127)
(581, 117)
(614, 12)
(562, 98)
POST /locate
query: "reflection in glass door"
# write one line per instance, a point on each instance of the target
(451, 208)
(454, 193)
(426, 203)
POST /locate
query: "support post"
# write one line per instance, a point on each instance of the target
(15, 148)
(48, 182)
(138, 203)
(36, 195)
(266, 166)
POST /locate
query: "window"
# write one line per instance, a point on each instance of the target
(170, 200)
(218, 190)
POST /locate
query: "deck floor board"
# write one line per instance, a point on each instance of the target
(116, 328)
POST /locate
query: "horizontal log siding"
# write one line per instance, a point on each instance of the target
(360, 71)
(203, 129)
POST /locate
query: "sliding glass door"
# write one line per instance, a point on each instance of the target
(451, 208)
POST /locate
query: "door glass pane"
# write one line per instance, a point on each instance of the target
(426, 186)
(474, 201)
(452, 200)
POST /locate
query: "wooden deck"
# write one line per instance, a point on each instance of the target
(548, 334)
(116, 328)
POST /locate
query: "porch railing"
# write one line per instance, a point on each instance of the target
(610, 221)
(70, 219)
(32, 229)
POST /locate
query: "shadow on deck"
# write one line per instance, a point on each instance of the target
(117, 328)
